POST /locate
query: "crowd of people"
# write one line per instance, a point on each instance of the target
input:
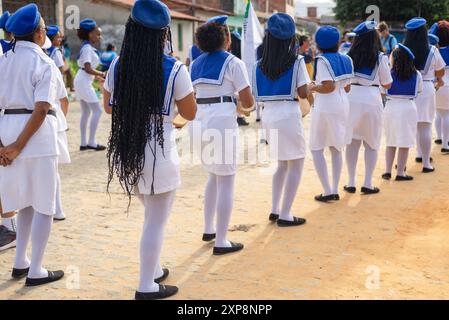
(361, 87)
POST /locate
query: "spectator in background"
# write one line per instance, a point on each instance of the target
(68, 75)
(347, 43)
(387, 40)
(306, 51)
(108, 56)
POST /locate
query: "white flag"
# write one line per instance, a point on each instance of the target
(252, 37)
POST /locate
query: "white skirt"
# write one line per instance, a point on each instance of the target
(63, 146)
(400, 123)
(29, 182)
(442, 97)
(365, 115)
(84, 89)
(330, 118)
(426, 103)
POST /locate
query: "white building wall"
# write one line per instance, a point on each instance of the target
(324, 7)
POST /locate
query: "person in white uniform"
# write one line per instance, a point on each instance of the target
(143, 87)
(28, 131)
(400, 114)
(7, 43)
(217, 76)
(433, 41)
(429, 62)
(330, 117)
(278, 79)
(55, 52)
(372, 70)
(88, 61)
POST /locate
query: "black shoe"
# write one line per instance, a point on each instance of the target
(164, 292)
(336, 197)
(242, 122)
(52, 277)
(443, 150)
(218, 251)
(350, 189)
(386, 176)
(7, 238)
(428, 170)
(263, 141)
(326, 199)
(258, 120)
(439, 141)
(208, 236)
(83, 148)
(419, 159)
(296, 222)
(370, 191)
(19, 273)
(273, 217)
(163, 277)
(404, 178)
(99, 147)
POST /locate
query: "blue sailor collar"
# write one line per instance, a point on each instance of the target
(367, 73)
(209, 68)
(85, 44)
(404, 89)
(339, 65)
(445, 54)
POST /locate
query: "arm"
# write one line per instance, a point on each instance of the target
(246, 98)
(64, 105)
(106, 99)
(439, 75)
(303, 91)
(348, 88)
(187, 107)
(324, 88)
(88, 68)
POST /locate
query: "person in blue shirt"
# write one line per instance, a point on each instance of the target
(108, 56)
(387, 40)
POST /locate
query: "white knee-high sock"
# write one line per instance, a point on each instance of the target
(294, 174)
(445, 127)
(225, 199)
(321, 169)
(337, 165)
(278, 186)
(370, 165)
(438, 125)
(10, 223)
(157, 211)
(210, 204)
(390, 154)
(40, 232)
(59, 212)
(352, 155)
(418, 144)
(402, 161)
(425, 142)
(85, 114)
(24, 222)
(96, 114)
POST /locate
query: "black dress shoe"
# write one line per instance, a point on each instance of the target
(19, 273)
(242, 121)
(296, 222)
(443, 150)
(326, 199)
(336, 197)
(164, 292)
(163, 277)
(419, 159)
(218, 251)
(99, 147)
(404, 178)
(350, 189)
(439, 141)
(83, 148)
(208, 236)
(370, 191)
(386, 176)
(273, 217)
(428, 170)
(52, 277)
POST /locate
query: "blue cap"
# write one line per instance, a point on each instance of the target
(88, 24)
(433, 29)
(327, 37)
(281, 26)
(24, 21)
(433, 39)
(410, 53)
(415, 23)
(365, 27)
(52, 30)
(237, 35)
(151, 14)
(3, 19)
(218, 19)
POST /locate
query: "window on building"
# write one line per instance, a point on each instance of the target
(180, 38)
(312, 12)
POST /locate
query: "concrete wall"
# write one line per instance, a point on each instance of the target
(185, 29)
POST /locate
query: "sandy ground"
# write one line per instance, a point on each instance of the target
(390, 246)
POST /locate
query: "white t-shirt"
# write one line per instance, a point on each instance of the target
(88, 54)
(61, 93)
(323, 74)
(436, 64)
(383, 75)
(58, 58)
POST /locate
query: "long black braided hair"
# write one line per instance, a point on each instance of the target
(278, 56)
(137, 105)
(403, 65)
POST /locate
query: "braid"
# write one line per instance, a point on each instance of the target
(278, 56)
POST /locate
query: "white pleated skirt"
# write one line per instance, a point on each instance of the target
(426, 103)
(442, 97)
(400, 123)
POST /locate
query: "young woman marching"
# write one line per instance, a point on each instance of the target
(28, 132)
(330, 117)
(372, 70)
(55, 52)
(142, 86)
(217, 76)
(429, 62)
(400, 114)
(88, 61)
(278, 79)
(7, 43)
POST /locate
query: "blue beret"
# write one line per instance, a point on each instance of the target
(281, 26)
(410, 53)
(433, 29)
(237, 35)
(433, 39)
(218, 19)
(415, 23)
(52, 30)
(151, 14)
(3, 19)
(327, 37)
(365, 27)
(24, 21)
(88, 24)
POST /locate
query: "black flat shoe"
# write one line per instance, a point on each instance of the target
(218, 251)
(443, 150)
(404, 178)
(325, 199)
(273, 217)
(19, 273)
(350, 189)
(163, 277)
(208, 236)
(296, 222)
(439, 141)
(336, 197)
(370, 191)
(99, 147)
(386, 176)
(419, 159)
(83, 148)
(428, 170)
(52, 277)
(164, 292)
(59, 219)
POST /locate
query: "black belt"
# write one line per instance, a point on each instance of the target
(362, 85)
(215, 100)
(24, 111)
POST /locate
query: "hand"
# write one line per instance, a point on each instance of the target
(9, 153)
(243, 112)
(100, 79)
(440, 83)
(4, 162)
(312, 87)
